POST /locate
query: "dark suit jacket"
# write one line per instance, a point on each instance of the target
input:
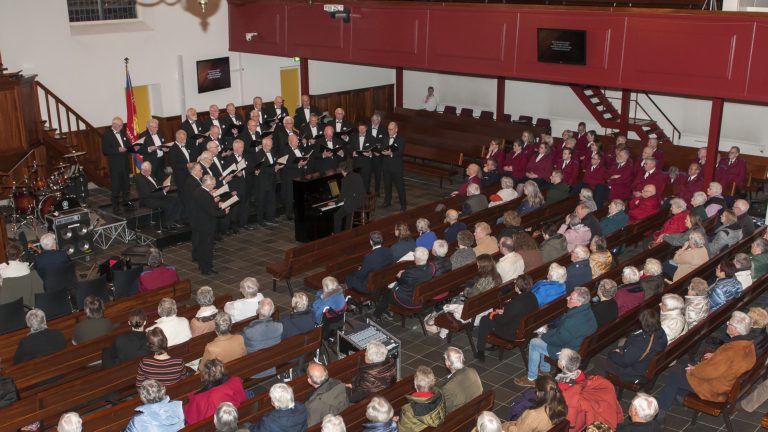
(186, 126)
(50, 259)
(505, 324)
(109, 146)
(394, 161)
(146, 189)
(38, 344)
(578, 273)
(207, 123)
(345, 126)
(473, 204)
(407, 282)
(251, 141)
(297, 323)
(266, 170)
(179, 161)
(376, 259)
(381, 133)
(605, 311)
(305, 132)
(149, 156)
(352, 192)
(300, 119)
(206, 211)
(126, 346)
(270, 112)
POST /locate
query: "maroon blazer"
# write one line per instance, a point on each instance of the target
(570, 172)
(658, 179)
(498, 157)
(542, 168)
(594, 176)
(530, 150)
(518, 162)
(641, 208)
(659, 156)
(621, 187)
(726, 173)
(462, 191)
(557, 153)
(684, 188)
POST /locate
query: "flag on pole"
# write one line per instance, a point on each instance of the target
(131, 122)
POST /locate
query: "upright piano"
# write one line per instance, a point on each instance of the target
(315, 199)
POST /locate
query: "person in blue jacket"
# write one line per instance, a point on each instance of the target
(553, 287)
(726, 287)
(331, 297)
(378, 258)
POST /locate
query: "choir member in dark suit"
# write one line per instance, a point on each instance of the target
(377, 133)
(362, 157)
(114, 145)
(280, 137)
(152, 197)
(152, 149)
(242, 183)
(685, 186)
(276, 112)
(213, 118)
(732, 170)
(301, 117)
(309, 131)
(266, 173)
(329, 151)
(229, 121)
(192, 127)
(651, 174)
(295, 167)
(191, 184)
(539, 166)
(213, 135)
(206, 211)
(353, 195)
(214, 165)
(340, 125)
(251, 136)
(180, 156)
(620, 176)
(257, 110)
(392, 166)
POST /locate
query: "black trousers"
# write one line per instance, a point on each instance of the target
(376, 174)
(342, 220)
(204, 249)
(120, 185)
(169, 205)
(394, 176)
(265, 201)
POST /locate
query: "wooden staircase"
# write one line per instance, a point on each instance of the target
(606, 114)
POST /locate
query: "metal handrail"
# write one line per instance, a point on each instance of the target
(675, 130)
(637, 104)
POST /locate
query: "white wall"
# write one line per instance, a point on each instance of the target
(460, 91)
(327, 77)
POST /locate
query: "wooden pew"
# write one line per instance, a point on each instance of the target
(464, 418)
(453, 162)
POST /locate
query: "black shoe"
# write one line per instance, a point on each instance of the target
(403, 208)
(270, 222)
(480, 356)
(128, 204)
(206, 272)
(249, 228)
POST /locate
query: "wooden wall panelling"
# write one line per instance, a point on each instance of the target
(266, 20)
(358, 104)
(757, 84)
(385, 35)
(312, 33)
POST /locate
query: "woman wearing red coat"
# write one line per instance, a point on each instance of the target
(647, 204)
(496, 153)
(675, 224)
(217, 388)
(539, 167)
(515, 162)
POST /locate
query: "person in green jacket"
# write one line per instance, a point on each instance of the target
(759, 258)
(617, 218)
(425, 407)
(558, 190)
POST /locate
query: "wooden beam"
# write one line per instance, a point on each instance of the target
(626, 97)
(398, 87)
(713, 140)
(304, 75)
(500, 98)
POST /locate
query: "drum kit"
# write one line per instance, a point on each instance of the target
(39, 196)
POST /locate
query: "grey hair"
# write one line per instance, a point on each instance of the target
(152, 121)
(652, 267)
(581, 252)
(488, 422)
(204, 296)
(333, 423)
(266, 308)
(249, 287)
(646, 406)
(422, 225)
(582, 295)
(440, 248)
(222, 323)
(167, 307)
(678, 203)
(454, 357)
(151, 391)
(672, 302)
(698, 198)
(154, 257)
(48, 241)
(299, 302)
(697, 238)
(473, 189)
(569, 361)
(36, 320)
(208, 180)
(379, 410)
(281, 396)
(619, 204)
(225, 418)
(716, 187)
(507, 183)
(761, 244)
(420, 256)
(741, 322)
(557, 273)
(608, 288)
(424, 379)
(330, 286)
(742, 261)
(375, 352)
(70, 422)
(575, 220)
(146, 165)
(630, 274)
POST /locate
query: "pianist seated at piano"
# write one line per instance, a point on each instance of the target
(352, 196)
(154, 195)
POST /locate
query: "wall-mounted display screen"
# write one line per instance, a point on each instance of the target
(562, 46)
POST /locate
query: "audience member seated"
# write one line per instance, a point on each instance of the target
(225, 419)
(505, 194)
(300, 320)
(558, 190)
(743, 269)
(379, 257)
(441, 262)
(13, 268)
(160, 366)
(692, 254)
(378, 373)
(157, 275)
(758, 335)
(589, 398)
(579, 271)
(642, 411)
(263, 332)
(732, 170)
(426, 237)
(379, 414)
(487, 276)
(176, 328)
(331, 297)
(226, 346)
(726, 235)
(606, 310)
(554, 245)
(526, 246)
(158, 412)
(629, 294)
(128, 345)
(672, 308)
(696, 302)
(744, 220)
(511, 264)
(462, 384)
(699, 205)
(333, 423)
(202, 322)
(645, 205)
(600, 258)
(454, 225)
(649, 174)
(217, 387)
(616, 219)
(553, 287)
(574, 326)
(677, 223)
(712, 378)
(532, 200)
(288, 415)
(504, 322)
(425, 406)
(726, 287)
(490, 173)
(51, 257)
(715, 202)
(247, 306)
(511, 220)
(759, 255)
(405, 243)
(464, 254)
(651, 278)
(485, 242)
(329, 397)
(575, 232)
(473, 177)
(70, 422)
(40, 341)
(548, 409)
(587, 199)
(475, 201)
(402, 291)
(94, 325)
(692, 222)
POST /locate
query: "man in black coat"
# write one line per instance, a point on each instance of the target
(376, 259)
(192, 182)
(213, 135)
(206, 211)
(266, 173)
(353, 195)
(213, 118)
(152, 149)
(51, 257)
(303, 113)
(362, 156)
(280, 137)
(275, 112)
(402, 292)
(181, 155)
(329, 152)
(251, 135)
(114, 145)
(231, 124)
(152, 197)
(309, 131)
(295, 167)
(243, 182)
(341, 126)
(392, 166)
(376, 134)
(192, 127)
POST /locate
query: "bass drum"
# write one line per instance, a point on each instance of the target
(24, 202)
(53, 203)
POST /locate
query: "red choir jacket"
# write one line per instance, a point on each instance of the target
(570, 172)
(658, 178)
(621, 187)
(728, 173)
(673, 225)
(594, 176)
(542, 167)
(463, 189)
(641, 208)
(684, 187)
(518, 162)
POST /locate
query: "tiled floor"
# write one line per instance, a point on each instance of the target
(248, 253)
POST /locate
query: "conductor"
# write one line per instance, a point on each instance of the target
(206, 210)
(114, 145)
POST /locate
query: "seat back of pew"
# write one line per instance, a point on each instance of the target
(464, 418)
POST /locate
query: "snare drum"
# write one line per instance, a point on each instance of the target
(23, 202)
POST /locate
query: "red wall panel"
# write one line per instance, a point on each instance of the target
(471, 41)
(266, 19)
(688, 57)
(312, 33)
(757, 85)
(385, 35)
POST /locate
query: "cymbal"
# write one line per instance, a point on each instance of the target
(61, 165)
(75, 154)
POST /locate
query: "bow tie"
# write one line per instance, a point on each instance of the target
(338, 121)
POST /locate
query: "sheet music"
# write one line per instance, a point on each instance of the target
(167, 182)
(241, 165)
(231, 168)
(222, 190)
(229, 202)
(283, 160)
(139, 141)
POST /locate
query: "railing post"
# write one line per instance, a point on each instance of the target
(624, 114)
(713, 140)
(500, 98)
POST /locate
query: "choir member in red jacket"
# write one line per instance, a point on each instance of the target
(610, 150)
(569, 167)
(620, 176)
(596, 173)
(515, 162)
(495, 152)
(557, 149)
(646, 205)
(676, 223)
(732, 170)
(658, 153)
(581, 136)
(684, 186)
(473, 176)
(594, 147)
(701, 156)
(650, 174)
(529, 147)
(539, 166)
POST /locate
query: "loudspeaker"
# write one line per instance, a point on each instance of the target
(73, 231)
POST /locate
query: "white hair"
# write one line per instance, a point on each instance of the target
(645, 406)
(48, 241)
(375, 352)
(678, 203)
(151, 391)
(630, 274)
(35, 319)
(333, 423)
(697, 239)
(422, 225)
(299, 302)
(507, 183)
(557, 273)
(420, 255)
(488, 422)
(424, 379)
(698, 198)
(454, 358)
(440, 248)
(281, 396)
(146, 165)
(70, 422)
(716, 187)
(569, 360)
(473, 189)
(266, 308)
(652, 267)
(167, 307)
(741, 322)
(672, 302)
(225, 418)
(581, 252)
(249, 287)
(379, 410)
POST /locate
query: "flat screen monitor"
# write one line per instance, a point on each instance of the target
(562, 46)
(213, 74)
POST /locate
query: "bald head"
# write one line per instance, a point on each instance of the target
(451, 216)
(740, 207)
(649, 190)
(317, 374)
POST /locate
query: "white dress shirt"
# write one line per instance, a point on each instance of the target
(176, 329)
(243, 308)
